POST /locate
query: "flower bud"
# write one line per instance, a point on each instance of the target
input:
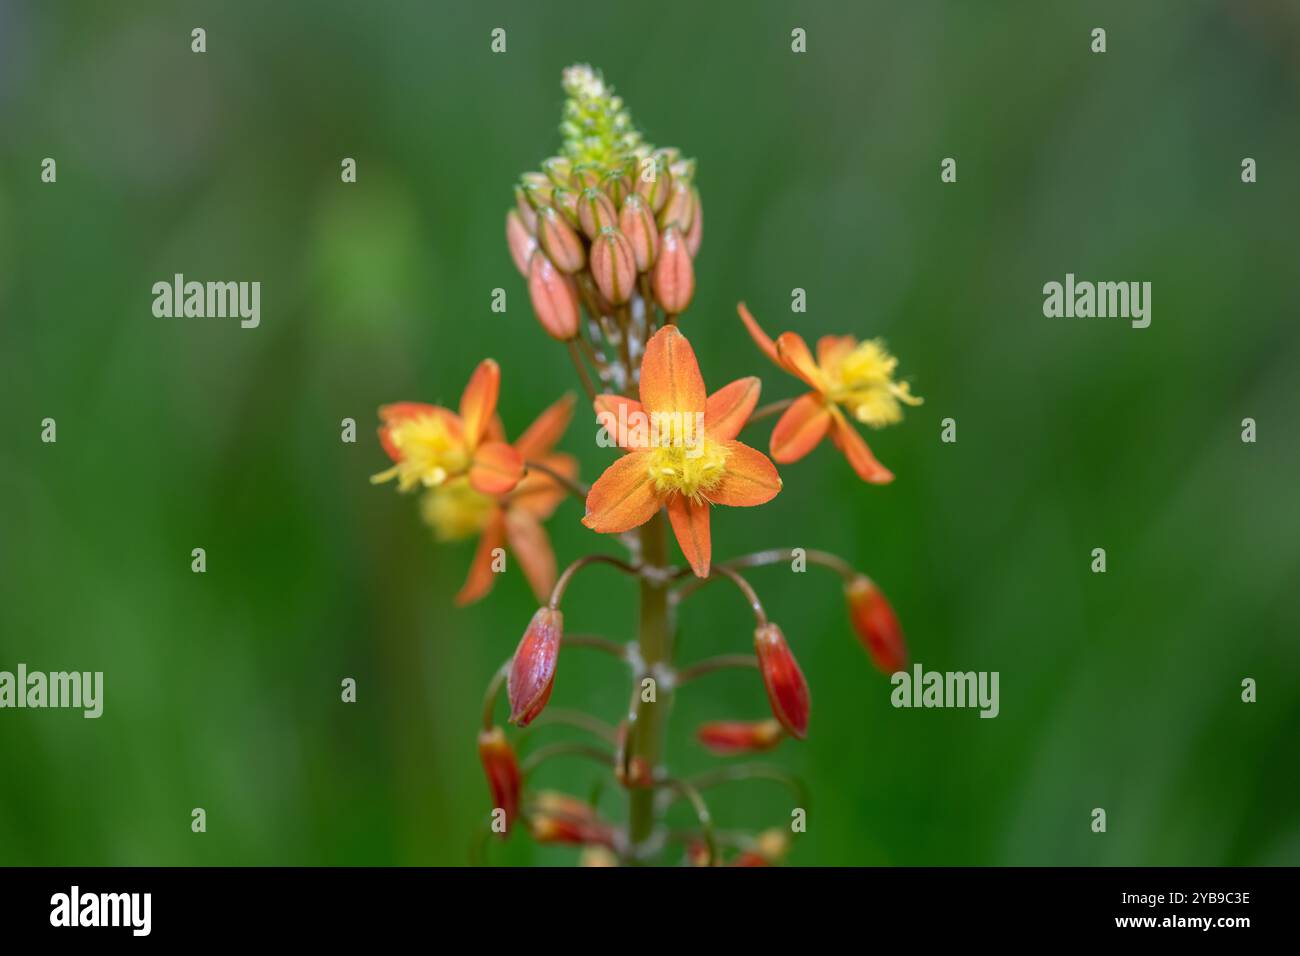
(617, 187)
(613, 265)
(585, 176)
(527, 213)
(729, 738)
(674, 275)
(559, 818)
(696, 235)
(787, 691)
(538, 194)
(554, 297)
(562, 245)
(595, 212)
(654, 183)
(637, 222)
(566, 201)
(680, 208)
(558, 170)
(520, 241)
(502, 771)
(532, 672)
(876, 626)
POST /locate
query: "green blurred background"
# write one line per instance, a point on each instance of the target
(818, 171)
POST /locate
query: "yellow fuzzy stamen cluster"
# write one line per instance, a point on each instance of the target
(691, 470)
(455, 510)
(862, 380)
(431, 453)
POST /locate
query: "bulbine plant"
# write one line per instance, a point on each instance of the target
(606, 235)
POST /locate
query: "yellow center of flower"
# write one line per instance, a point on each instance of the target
(455, 510)
(431, 452)
(692, 469)
(862, 380)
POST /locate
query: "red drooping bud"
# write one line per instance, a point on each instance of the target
(637, 222)
(562, 245)
(613, 265)
(696, 235)
(877, 627)
(559, 818)
(520, 241)
(502, 773)
(787, 691)
(674, 275)
(554, 297)
(729, 738)
(595, 212)
(532, 672)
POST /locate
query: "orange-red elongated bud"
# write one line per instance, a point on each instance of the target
(595, 212)
(556, 817)
(554, 297)
(532, 672)
(613, 265)
(520, 240)
(561, 242)
(680, 210)
(787, 691)
(637, 222)
(674, 275)
(502, 771)
(730, 738)
(876, 625)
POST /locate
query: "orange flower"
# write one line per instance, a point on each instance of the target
(432, 445)
(457, 510)
(681, 449)
(857, 375)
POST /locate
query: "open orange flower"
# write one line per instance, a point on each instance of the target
(457, 509)
(857, 375)
(681, 451)
(431, 445)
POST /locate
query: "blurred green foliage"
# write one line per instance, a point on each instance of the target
(818, 171)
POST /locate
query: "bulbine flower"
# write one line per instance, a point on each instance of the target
(730, 738)
(876, 626)
(431, 445)
(532, 672)
(787, 691)
(856, 375)
(456, 510)
(502, 769)
(689, 473)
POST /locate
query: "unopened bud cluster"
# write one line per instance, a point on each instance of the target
(610, 226)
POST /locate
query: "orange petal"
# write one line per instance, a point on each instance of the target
(832, 348)
(727, 409)
(750, 478)
(625, 419)
(478, 403)
(670, 376)
(797, 360)
(496, 468)
(531, 546)
(799, 430)
(480, 579)
(623, 497)
(546, 430)
(759, 336)
(847, 440)
(690, 521)
(538, 493)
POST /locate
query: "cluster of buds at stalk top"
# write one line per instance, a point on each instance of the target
(605, 235)
(610, 226)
